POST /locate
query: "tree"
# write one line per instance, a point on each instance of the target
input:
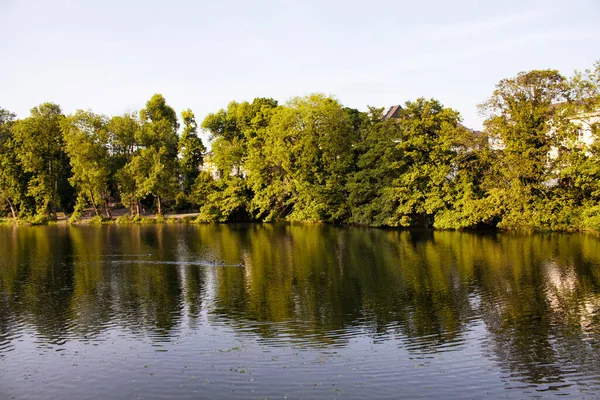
(39, 148)
(156, 163)
(12, 178)
(577, 164)
(519, 114)
(376, 157)
(232, 131)
(191, 151)
(148, 148)
(86, 143)
(302, 170)
(124, 132)
(420, 164)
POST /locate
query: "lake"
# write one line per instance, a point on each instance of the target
(296, 311)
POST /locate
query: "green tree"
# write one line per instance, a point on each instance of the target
(577, 164)
(191, 150)
(519, 114)
(12, 178)
(152, 167)
(407, 166)
(377, 155)
(307, 155)
(86, 143)
(124, 131)
(232, 130)
(39, 147)
(425, 173)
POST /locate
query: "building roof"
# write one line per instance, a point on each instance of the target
(393, 112)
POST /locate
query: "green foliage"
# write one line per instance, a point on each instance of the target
(99, 220)
(13, 180)
(40, 150)
(124, 219)
(137, 219)
(191, 150)
(38, 220)
(298, 165)
(312, 159)
(86, 143)
(591, 218)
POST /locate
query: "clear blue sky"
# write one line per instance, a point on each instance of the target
(111, 56)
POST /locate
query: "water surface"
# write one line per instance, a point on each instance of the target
(296, 311)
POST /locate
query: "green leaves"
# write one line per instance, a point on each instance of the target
(86, 143)
(536, 165)
(39, 148)
(191, 150)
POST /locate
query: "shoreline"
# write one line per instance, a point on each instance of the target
(191, 219)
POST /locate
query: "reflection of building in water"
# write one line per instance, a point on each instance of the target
(562, 289)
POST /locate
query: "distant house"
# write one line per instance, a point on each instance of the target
(209, 166)
(393, 112)
(585, 123)
(479, 136)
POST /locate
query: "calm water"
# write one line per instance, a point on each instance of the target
(296, 311)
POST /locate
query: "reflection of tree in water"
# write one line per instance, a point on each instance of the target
(539, 306)
(65, 281)
(36, 281)
(314, 280)
(538, 295)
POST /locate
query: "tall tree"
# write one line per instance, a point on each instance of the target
(156, 163)
(86, 143)
(191, 150)
(40, 150)
(124, 132)
(519, 115)
(307, 155)
(577, 156)
(232, 130)
(377, 156)
(12, 179)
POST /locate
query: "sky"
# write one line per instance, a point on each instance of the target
(112, 56)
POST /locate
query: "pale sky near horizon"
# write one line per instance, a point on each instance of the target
(112, 55)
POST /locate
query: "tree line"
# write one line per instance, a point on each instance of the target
(312, 159)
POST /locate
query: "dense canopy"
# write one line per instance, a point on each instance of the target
(536, 165)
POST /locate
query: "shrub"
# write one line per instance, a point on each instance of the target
(38, 220)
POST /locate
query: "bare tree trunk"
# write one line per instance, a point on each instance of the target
(94, 204)
(12, 208)
(137, 205)
(158, 203)
(107, 210)
(51, 212)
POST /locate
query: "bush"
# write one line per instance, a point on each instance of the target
(75, 217)
(124, 219)
(98, 220)
(181, 202)
(38, 220)
(591, 218)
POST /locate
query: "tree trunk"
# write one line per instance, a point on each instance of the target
(107, 210)
(158, 203)
(94, 204)
(51, 212)
(137, 206)
(12, 208)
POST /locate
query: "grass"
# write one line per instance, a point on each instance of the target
(128, 219)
